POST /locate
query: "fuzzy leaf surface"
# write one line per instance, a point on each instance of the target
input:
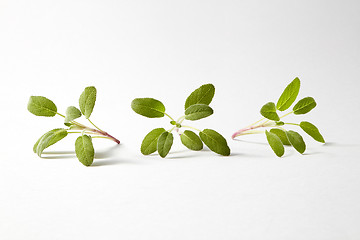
(312, 130)
(275, 143)
(282, 135)
(269, 111)
(72, 113)
(48, 139)
(149, 144)
(305, 105)
(41, 106)
(164, 143)
(84, 150)
(191, 140)
(296, 141)
(87, 101)
(215, 141)
(289, 95)
(198, 111)
(202, 95)
(148, 107)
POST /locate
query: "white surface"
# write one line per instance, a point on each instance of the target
(250, 50)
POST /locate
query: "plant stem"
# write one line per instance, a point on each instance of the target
(287, 114)
(171, 129)
(60, 115)
(93, 124)
(169, 116)
(192, 128)
(292, 124)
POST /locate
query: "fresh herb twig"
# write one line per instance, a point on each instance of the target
(196, 107)
(277, 137)
(41, 106)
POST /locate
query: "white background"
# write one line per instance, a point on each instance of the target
(250, 50)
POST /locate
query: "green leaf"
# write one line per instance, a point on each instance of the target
(149, 144)
(215, 141)
(48, 139)
(71, 114)
(87, 101)
(202, 95)
(164, 143)
(191, 140)
(275, 143)
(41, 106)
(282, 135)
(289, 95)
(84, 150)
(296, 141)
(148, 107)
(269, 111)
(279, 123)
(198, 111)
(305, 105)
(312, 130)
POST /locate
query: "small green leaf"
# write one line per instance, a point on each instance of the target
(198, 111)
(202, 95)
(48, 139)
(282, 135)
(164, 143)
(296, 141)
(289, 95)
(275, 143)
(191, 140)
(148, 107)
(71, 114)
(41, 106)
(87, 101)
(173, 122)
(149, 144)
(312, 130)
(84, 150)
(269, 111)
(67, 124)
(305, 105)
(279, 123)
(215, 141)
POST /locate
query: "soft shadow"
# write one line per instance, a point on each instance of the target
(330, 144)
(58, 152)
(58, 156)
(181, 157)
(108, 162)
(253, 142)
(107, 152)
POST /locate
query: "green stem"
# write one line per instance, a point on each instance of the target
(169, 116)
(292, 124)
(256, 122)
(192, 128)
(60, 115)
(287, 114)
(170, 130)
(180, 119)
(94, 124)
(101, 137)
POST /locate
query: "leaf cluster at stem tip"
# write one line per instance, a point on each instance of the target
(196, 108)
(278, 136)
(42, 106)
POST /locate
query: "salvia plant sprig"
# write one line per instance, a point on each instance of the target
(278, 136)
(41, 106)
(196, 107)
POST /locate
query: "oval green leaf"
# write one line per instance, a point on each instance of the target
(202, 95)
(305, 105)
(289, 95)
(71, 114)
(41, 106)
(191, 140)
(87, 101)
(282, 135)
(198, 111)
(84, 150)
(312, 130)
(148, 107)
(48, 139)
(275, 143)
(215, 142)
(269, 111)
(164, 143)
(296, 141)
(149, 144)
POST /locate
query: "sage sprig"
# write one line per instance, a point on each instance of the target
(196, 108)
(42, 106)
(278, 136)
